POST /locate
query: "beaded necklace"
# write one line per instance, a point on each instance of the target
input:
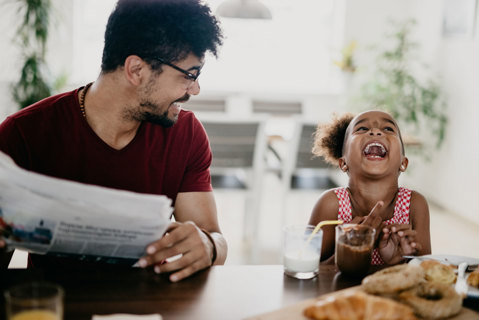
(82, 99)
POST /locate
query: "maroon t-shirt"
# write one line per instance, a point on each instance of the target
(53, 138)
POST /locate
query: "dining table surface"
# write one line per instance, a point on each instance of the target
(219, 292)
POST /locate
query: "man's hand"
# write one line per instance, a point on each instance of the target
(5, 230)
(185, 240)
(5, 255)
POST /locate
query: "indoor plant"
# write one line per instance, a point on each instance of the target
(416, 104)
(32, 35)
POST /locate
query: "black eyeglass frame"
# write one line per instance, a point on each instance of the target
(191, 76)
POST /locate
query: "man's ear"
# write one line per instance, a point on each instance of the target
(134, 69)
(342, 164)
(404, 164)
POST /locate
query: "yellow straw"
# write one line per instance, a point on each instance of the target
(318, 226)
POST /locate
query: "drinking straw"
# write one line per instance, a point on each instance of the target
(380, 203)
(318, 226)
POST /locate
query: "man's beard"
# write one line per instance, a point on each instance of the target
(148, 109)
(160, 119)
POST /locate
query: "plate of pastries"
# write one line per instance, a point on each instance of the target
(418, 290)
(444, 268)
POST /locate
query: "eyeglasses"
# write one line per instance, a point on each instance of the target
(190, 76)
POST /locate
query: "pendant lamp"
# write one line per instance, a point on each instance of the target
(243, 9)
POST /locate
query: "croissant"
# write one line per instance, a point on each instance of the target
(358, 306)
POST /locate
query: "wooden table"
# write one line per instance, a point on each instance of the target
(221, 292)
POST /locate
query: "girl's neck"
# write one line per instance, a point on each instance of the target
(365, 195)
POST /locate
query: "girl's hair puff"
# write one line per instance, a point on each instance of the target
(329, 138)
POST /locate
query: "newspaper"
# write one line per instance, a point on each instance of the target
(47, 215)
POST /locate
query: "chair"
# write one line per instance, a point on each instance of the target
(212, 104)
(238, 148)
(277, 108)
(302, 171)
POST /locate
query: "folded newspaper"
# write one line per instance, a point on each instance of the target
(47, 215)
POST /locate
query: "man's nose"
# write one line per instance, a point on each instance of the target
(194, 88)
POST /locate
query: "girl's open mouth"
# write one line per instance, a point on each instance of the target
(375, 150)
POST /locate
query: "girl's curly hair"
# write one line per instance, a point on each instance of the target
(329, 138)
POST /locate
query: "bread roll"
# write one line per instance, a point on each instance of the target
(473, 279)
(438, 272)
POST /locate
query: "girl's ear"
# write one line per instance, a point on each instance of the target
(404, 164)
(342, 165)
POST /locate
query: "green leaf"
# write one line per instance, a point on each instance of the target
(32, 85)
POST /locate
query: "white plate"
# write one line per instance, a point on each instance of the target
(453, 260)
(450, 259)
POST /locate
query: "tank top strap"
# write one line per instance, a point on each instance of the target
(401, 208)
(344, 212)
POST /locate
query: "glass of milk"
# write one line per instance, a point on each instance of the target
(301, 251)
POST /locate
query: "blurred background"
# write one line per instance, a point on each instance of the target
(286, 66)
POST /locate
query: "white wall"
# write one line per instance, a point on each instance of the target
(449, 179)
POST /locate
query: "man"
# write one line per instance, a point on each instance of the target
(127, 129)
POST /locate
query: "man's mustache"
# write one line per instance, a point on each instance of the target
(185, 98)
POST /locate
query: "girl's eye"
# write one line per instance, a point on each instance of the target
(362, 129)
(389, 129)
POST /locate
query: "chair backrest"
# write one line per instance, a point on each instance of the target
(305, 158)
(301, 156)
(237, 144)
(232, 143)
(302, 170)
(277, 108)
(206, 105)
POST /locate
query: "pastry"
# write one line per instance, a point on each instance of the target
(473, 279)
(438, 272)
(358, 306)
(393, 279)
(433, 300)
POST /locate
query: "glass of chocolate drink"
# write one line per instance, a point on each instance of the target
(354, 248)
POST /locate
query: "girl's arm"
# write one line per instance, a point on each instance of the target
(326, 208)
(419, 220)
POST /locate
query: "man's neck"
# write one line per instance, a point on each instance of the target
(104, 111)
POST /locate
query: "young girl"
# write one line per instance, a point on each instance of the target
(369, 149)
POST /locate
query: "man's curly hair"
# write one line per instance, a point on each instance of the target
(329, 138)
(168, 29)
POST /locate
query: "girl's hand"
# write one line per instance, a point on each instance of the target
(396, 241)
(374, 219)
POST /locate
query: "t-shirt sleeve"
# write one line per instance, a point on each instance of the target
(12, 142)
(197, 175)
